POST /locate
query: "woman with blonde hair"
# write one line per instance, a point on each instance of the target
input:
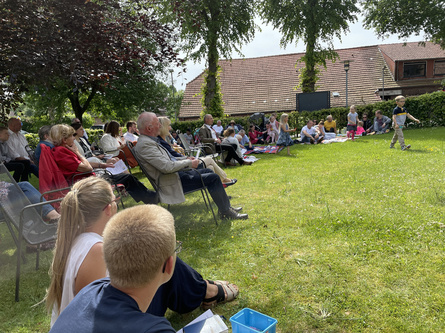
(207, 161)
(78, 258)
(72, 163)
(164, 133)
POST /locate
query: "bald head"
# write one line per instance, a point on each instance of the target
(148, 124)
(208, 119)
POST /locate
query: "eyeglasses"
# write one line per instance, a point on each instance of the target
(178, 249)
(116, 200)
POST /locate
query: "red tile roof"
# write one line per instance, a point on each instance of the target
(412, 51)
(267, 84)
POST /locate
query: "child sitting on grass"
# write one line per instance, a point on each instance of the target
(360, 129)
(229, 138)
(398, 121)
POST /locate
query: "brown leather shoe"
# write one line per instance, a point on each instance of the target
(247, 163)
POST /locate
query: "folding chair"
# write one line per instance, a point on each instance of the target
(154, 183)
(189, 150)
(23, 220)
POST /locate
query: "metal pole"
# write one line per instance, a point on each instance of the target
(173, 94)
(346, 88)
(383, 83)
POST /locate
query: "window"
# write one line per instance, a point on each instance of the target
(439, 67)
(414, 69)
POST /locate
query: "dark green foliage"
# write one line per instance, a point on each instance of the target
(211, 29)
(76, 50)
(405, 18)
(314, 22)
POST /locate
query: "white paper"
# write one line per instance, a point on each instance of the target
(205, 315)
(119, 167)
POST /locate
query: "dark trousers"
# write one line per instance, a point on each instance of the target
(135, 188)
(183, 293)
(192, 181)
(34, 169)
(21, 169)
(231, 152)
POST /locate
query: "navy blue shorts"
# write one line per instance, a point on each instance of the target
(352, 128)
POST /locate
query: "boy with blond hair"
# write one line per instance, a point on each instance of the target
(398, 121)
(139, 248)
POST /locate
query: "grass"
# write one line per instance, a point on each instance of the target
(340, 238)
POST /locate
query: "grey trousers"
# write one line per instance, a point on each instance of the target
(398, 134)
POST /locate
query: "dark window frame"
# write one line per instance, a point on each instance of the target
(443, 65)
(417, 63)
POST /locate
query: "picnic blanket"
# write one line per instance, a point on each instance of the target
(263, 150)
(336, 139)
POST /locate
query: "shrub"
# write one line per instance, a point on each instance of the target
(428, 108)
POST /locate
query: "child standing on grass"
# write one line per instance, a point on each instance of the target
(352, 122)
(399, 115)
(284, 139)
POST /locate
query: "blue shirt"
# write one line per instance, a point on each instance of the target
(400, 114)
(99, 307)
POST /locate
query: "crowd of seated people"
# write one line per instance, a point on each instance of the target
(91, 204)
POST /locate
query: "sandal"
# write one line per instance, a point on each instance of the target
(227, 292)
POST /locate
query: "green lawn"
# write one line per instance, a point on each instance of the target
(340, 238)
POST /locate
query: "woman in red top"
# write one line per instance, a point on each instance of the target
(70, 162)
(255, 136)
(68, 158)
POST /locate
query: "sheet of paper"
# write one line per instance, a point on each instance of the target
(205, 315)
(119, 167)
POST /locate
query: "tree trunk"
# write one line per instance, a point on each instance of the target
(309, 77)
(211, 75)
(79, 109)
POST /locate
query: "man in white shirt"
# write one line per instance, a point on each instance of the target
(308, 133)
(131, 130)
(17, 144)
(218, 128)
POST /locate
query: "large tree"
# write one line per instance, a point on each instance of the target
(316, 23)
(404, 18)
(80, 48)
(211, 29)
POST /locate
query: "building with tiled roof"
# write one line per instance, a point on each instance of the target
(268, 84)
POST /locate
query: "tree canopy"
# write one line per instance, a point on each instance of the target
(404, 18)
(79, 49)
(211, 29)
(316, 22)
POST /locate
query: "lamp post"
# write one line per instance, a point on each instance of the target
(173, 94)
(346, 66)
(383, 83)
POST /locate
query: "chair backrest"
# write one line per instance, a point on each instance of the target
(13, 201)
(152, 181)
(31, 154)
(184, 141)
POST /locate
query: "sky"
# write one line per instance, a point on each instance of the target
(267, 43)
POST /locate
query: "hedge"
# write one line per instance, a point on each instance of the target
(428, 108)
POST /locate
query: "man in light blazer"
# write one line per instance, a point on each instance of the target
(169, 173)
